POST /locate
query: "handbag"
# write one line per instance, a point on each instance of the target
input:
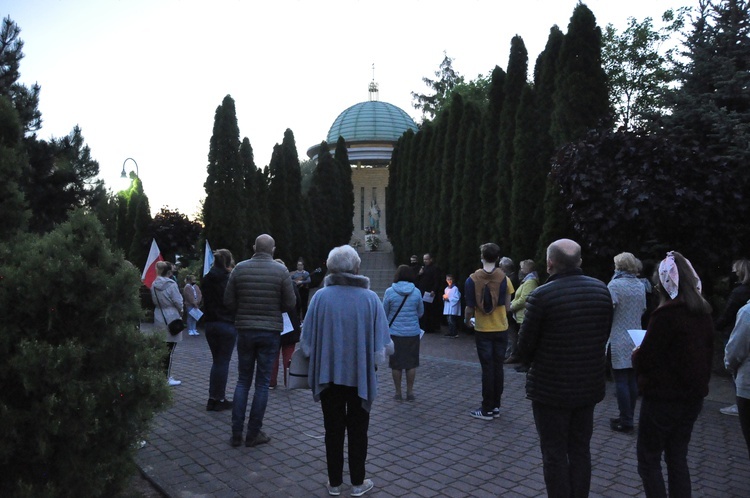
(298, 371)
(175, 326)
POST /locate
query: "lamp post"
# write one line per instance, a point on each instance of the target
(125, 175)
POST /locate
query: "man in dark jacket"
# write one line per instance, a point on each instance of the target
(562, 340)
(258, 290)
(431, 282)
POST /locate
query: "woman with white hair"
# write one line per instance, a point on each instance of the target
(345, 334)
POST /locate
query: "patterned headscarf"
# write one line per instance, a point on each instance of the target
(669, 276)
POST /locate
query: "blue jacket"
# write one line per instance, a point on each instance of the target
(407, 321)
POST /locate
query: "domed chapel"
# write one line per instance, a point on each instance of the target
(370, 130)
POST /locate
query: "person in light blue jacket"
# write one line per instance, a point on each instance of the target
(403, 306)
(737, 361)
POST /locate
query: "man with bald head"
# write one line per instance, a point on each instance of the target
(562, 341)
(258, 290)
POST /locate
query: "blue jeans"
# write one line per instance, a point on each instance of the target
(491, 351)
(565, 438)
(192, 323)
(221, 338)
(253, 347)
(627, 394)
(665, 427)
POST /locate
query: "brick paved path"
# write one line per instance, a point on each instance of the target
(427, 448)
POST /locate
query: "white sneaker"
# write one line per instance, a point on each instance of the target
(363, 488)
(730, 410)
(173, 382)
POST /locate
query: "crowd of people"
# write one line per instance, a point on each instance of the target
(565, 333)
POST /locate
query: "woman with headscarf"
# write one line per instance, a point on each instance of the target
(221, 335)
(345, 335)
(673, 368)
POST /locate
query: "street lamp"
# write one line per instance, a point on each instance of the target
(125, 175)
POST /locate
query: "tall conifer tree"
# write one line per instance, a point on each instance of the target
(225, 199)
(346, 191)
(515, 81)
(488, 189)
(581, 103)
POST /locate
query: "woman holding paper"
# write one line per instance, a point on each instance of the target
(289, 337)
(629, 301)
(673, 367)
(192, 296)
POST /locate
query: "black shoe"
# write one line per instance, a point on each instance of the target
(211, 405)
(224, 404)
(614, 420)
(522, 368)
(618, 427)
(260, 438)
(236, 440)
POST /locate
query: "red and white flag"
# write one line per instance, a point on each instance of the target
(149, 272)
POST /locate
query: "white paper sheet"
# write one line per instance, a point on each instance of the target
(637, 336)
(288, 327)
(428, 298)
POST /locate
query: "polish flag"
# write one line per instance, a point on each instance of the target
(149, 272)
(208, 259)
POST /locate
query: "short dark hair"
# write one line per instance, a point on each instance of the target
(490, 252)
(404, 273)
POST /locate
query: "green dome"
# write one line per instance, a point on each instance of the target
(371, 121)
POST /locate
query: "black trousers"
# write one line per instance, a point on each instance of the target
(564, 438)
(343, 413)
(666, 427)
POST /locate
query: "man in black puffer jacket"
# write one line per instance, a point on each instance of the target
(562, 340)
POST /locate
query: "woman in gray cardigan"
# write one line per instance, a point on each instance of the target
(345, 334)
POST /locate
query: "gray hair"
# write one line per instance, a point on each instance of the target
(343, 259)
(506, 264)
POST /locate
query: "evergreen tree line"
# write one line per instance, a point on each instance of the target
(489, 160)
(540, 159)
(243, 201)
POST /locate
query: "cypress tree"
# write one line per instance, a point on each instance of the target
(254, 211)
(278, 201)
(581, 102)
(488, 189)
(528, 179)
(465, 223)
(294, 195)
(581, 98)
(346, 191)
(412, 212)
(224, 185)
(443, 239)
(515, 81)
(324, 195)
(140, 213)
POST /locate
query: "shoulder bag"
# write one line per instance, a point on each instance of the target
(175, 326)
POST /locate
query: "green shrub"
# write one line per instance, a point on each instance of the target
(80, 382)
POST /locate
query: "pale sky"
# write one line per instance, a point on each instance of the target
(143, 78)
